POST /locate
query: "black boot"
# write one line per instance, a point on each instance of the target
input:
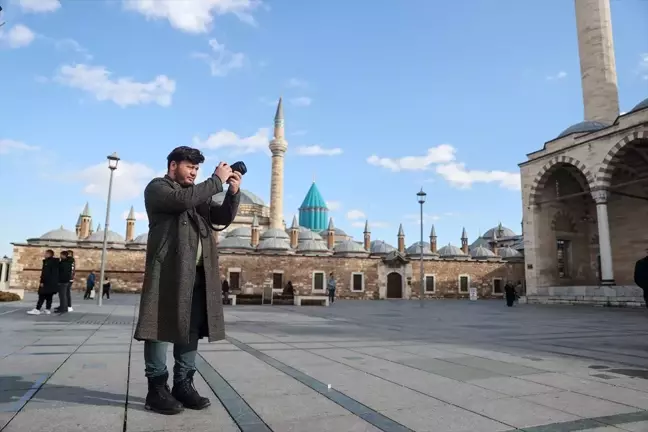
(185, 392)
(159, 398)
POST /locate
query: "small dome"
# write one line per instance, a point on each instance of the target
(508, 252)
(247, 197)
(641, 105)
(481, 241)
(348, 246)
(274, 244)
(312, 246)
(98, 236)
(245, 232)
(379, 247)
(482, 252)
(141, 239)
(415, 249)
(60, 234)
(274, 233)
(235, 243)
(309, 235)
(582, 127)
(451, 251)
(338, 232)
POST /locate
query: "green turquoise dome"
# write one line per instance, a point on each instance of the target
(313, 213)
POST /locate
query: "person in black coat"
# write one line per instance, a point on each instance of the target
(510, 294)
(641, 276)
(48, 285)
(66, 275)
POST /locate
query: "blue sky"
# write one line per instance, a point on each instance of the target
(461, 90)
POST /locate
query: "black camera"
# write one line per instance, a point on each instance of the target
(239, 167)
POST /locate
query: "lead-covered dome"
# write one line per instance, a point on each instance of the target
(274, 233)
(312, 246)
(244, 232)
(98, 237)
(235, 243)
(583, 127)
(247, 197)
(481, 252)
(141, 239)
(379, 247)
(348, 247)
(500, 231)
(415, 249)
(60, 234)
(451, 251)
(641, 105)
(508, 252)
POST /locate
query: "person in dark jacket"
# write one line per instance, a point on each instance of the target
(66, 271)
(510, 294)
(641, 276)
(90, 284)
(48, 283)
(226, 289)
(106, 288)
(288, 290)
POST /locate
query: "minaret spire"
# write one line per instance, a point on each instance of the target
(278, 147)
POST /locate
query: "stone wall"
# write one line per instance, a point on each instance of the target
(125, 268)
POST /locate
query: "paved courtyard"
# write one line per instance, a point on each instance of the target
(391, 366)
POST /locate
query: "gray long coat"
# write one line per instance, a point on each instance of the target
(177, 217)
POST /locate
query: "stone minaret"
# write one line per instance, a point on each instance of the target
(294, 233)
(401, 239)
(278, 147)
(597, 62)
(86, 220)
(433, 240)
(367, 237)
(330, 235)
(130, 225)
(77, 227)
(254, 241)
(464, 241)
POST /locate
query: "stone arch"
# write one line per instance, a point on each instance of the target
(563, 221)
(619, 149)
(540, 180)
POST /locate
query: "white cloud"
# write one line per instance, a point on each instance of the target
(296, 83)
(72, 45)
(139, 216)
(230, 140)
(301, 101)
(355, 215)
(221, 61)
(457, 175)
(193, 16)
(558, 76)
(18, 36)
(643, 65)
(333, 205)
(128, 183)
(122, 91)
(39, 6)
(316, 150)
(9, 146)
(439, 154)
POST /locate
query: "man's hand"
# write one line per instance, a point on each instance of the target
(223, 172)
(234, 182)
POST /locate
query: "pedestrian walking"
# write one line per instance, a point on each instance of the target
(331, 285)
(48, 285)
(509, 293)
(106, 288)
(90, 284)
(181, 296)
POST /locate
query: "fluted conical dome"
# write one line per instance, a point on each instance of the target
(313, 213)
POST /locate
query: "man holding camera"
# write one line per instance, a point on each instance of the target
(181, 294)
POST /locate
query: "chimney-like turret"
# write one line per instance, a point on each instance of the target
(77, 227)
(367, 237)
(130, 225)
(294, 233)
(86, 221)
(254, 241)
(464, 241)
(493, 242)
(433, 240)
(330, 235)
(401, 239)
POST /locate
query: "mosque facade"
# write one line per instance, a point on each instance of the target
(258, 250)
(585, 193)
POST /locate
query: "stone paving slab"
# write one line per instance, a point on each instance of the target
(539, 369)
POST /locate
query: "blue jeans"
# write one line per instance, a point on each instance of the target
(155, 352)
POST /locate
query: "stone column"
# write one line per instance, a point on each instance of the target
(3, 273)
(605, 247)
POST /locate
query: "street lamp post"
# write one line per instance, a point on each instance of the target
(113, 161)
(421, 199)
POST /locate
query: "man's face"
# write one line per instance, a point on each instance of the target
(184, 173)
(48, 254)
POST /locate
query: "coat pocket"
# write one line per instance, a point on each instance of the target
(162, 250)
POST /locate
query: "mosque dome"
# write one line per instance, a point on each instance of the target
(234, 242)
(141, 239)
(274, 233)
(450, 251)
(244, 232)
(415, 249)
(481, 252)
(317, 246)
(641, 105)
(309, 235)
(60, 234)
(274, 239)
(98, 236)
(508, 252)
(480, 242)
(583, 127)
(349, 247)
(313, 212)
(379, 247)
(500, 231)
(247, 197)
